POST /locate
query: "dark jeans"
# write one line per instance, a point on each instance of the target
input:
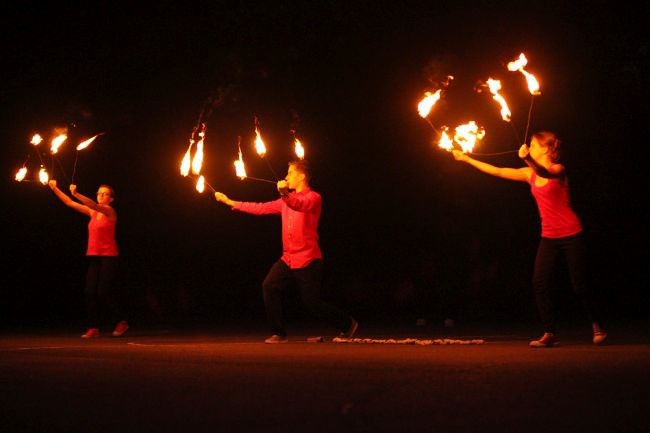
(572, 249)
(100, 301)
(309, 282)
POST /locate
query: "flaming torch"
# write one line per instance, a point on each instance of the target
(81, 146)
(297, 146)
(20, 175)
(533, 84)
(468, 135)
(426, 104)
(240, 169)
(260, 147)
(43, 177)
(56, 142)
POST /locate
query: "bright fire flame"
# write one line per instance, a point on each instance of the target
(445, 142)
(43, 177)
(259, 143)
(468, 135)
(200, 184)
(300, 151)
(240, 169)
(495, 86)
(185, 164)
(197, 162)
(20, 175)
(57, 142)
(36, 140)
(85, 144)
(518, 65)
(427, 103)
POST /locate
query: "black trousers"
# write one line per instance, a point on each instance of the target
(100, 298)
(549, 251)
(309, 282)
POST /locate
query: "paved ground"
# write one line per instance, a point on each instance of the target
(228, 381)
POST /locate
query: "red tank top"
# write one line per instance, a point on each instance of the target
(558, 218)
(101, 236)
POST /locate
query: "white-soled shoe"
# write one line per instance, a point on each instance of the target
(548, 340)
(276, 339)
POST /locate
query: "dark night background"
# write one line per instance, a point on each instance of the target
(407, 232)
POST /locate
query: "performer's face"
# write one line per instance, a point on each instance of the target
(104, 196)
(536, 150)
(293, 177)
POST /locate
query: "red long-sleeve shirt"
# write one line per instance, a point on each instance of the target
(300, 213)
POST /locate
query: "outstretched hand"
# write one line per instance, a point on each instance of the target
(458, 154)
(73, 188)
(223, 198)
(52, 184)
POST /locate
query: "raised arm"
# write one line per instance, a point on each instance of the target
(67, 200)
(518, 174)
(106, 210)
(556, 171)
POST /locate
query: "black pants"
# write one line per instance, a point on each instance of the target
(572, 249)
(309, 283)
(100, 299)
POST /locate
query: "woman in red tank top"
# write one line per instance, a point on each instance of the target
(102, 253)
(561, 233)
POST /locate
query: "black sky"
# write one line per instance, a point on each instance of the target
(347, 76)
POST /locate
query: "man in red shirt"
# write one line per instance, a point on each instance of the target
(302, 259)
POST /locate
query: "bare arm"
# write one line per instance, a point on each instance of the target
(67, 200)
(223, 198)
(106, 210)
(518, 174)
(556, 171)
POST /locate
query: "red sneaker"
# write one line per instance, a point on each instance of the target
(547, 340)
(91, 333)
(120, 328)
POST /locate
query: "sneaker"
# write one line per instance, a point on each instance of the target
(548, 340)
(353, 329)
(276, 339)
(120, 328)
(91, 333)
(599, 337)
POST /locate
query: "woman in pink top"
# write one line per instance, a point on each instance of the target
(302, 261)
(102, 253)
(561, 228)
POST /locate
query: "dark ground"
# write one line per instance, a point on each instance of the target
(227, 380)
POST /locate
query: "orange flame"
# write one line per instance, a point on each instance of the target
(445, 142)
(43, 177)
(197, 162)
(495, 86)
(260, 147)
(518, 65)
(240, 169)
(200, 184)
(185, 164)
(36, 140)
(57, 142)
(20, 175)
(468, 135)
(85, 144)
(427, 103)
(300, 151)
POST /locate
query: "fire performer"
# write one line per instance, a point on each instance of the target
(561, 229)
(102, 253)
(302, 259)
